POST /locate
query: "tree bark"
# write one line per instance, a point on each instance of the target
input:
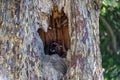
(22, 54)
(85, 53)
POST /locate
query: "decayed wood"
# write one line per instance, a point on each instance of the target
(58, 29)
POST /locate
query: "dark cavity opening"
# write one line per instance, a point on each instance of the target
(56, 40)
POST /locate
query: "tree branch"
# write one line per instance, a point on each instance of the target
(108, 27)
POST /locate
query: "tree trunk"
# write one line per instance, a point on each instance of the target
(22, 55)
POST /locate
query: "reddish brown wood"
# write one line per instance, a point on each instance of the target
(58, 29)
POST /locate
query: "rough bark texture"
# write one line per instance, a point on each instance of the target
(85, 54)
(21, 49)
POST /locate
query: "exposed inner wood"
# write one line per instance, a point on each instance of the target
(57, 31)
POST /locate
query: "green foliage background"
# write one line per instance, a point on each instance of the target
(110, 38)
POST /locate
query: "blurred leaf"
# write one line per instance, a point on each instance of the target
(111, 60)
